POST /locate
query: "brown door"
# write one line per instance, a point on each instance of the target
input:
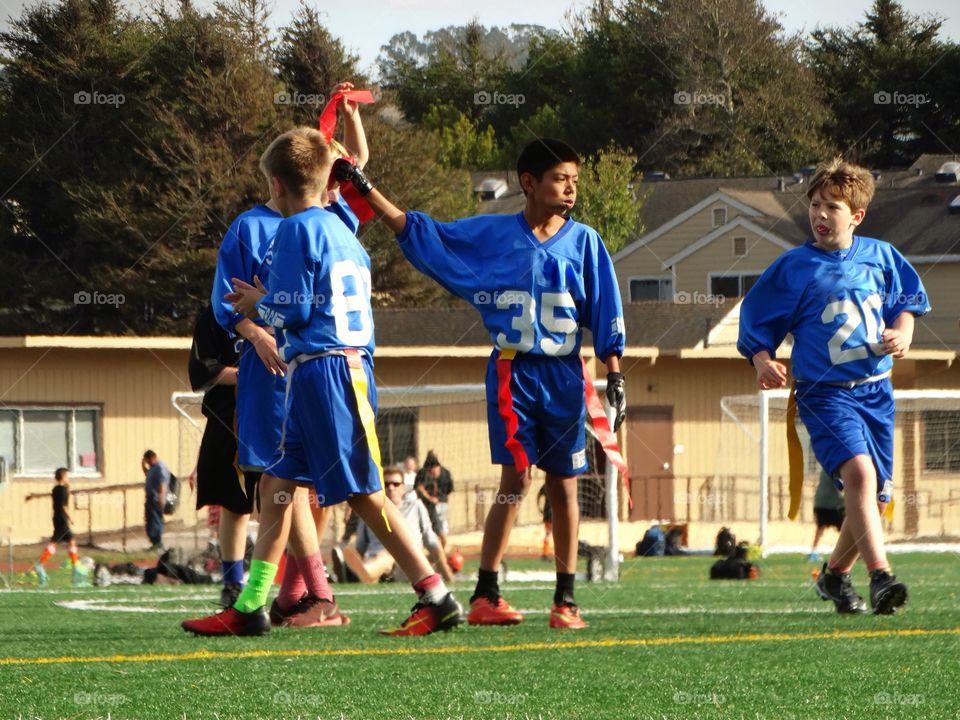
(650, 460)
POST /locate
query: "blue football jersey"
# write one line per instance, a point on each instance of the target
(533, 297)
(318, 286)
(836, 308)
(242, 251)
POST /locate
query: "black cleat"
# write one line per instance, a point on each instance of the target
(839, 589)
(229, 594)
(886, 593)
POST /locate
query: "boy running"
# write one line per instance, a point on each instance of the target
(61, 530)
(536, 278)
(850, 303)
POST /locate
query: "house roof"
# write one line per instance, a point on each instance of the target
(909, 211)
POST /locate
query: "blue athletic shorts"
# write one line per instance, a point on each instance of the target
(548, 400)
(259, 410)
(844, 422)
(324, 443)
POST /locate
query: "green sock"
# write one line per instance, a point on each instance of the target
(254, 594)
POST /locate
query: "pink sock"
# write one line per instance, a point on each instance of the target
(293, 586)
(431, 588)
(315, 575)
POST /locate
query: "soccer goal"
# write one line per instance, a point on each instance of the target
(752, 471)
(451, 420)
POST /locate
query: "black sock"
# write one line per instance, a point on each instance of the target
(564, 591)
(487, 585)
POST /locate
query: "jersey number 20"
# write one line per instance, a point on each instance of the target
(867, 312)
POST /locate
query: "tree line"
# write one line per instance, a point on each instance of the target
(130, 139)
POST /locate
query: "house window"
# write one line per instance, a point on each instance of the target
(397, 433)
(651, 289)
(735, 285)
(35, 441)
(941, 440)
(739, 246)
(719, 216)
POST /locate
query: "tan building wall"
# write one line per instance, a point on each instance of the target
(717, 258)
(132, 389)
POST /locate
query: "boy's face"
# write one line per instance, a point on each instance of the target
(556, 190)
(833, 221)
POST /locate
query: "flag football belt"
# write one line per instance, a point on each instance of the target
(368, 418)
(598, 418)
(795, 449)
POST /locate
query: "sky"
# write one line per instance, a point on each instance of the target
(365, 26)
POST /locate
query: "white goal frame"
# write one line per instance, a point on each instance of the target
(765, 396)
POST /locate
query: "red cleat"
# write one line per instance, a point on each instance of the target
(230, 622)
(566, 616)
(314, 611)
(428, 618)
(484, 611)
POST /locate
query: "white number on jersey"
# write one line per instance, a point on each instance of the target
(524, 323)
(867, 312)
(357, 302)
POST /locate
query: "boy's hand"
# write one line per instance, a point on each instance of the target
(344, 170)
(770, 373)
(345, 106)
(896, 342)
(246, 296)
(617, 398)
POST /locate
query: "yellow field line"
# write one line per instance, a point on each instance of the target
(463, 650)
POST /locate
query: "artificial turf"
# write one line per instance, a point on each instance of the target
(665, 642)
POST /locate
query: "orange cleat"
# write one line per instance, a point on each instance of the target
(566, 616)
(484, 611)
(427, 618)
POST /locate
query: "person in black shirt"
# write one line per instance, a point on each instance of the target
(61, 529)
(220, 482)
(434, 485)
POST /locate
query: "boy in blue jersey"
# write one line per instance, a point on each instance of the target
(850, 303)
(305, 598)
(536, 278)
(319, 305)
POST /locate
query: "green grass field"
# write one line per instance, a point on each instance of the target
(664, 643)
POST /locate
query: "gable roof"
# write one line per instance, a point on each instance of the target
(722, 230)
(718, 196)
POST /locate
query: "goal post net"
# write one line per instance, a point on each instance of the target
(751, 481)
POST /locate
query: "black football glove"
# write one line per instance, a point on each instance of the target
(344, 170)
(617, 398)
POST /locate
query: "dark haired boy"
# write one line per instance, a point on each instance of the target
(536, 278)
(61, 530)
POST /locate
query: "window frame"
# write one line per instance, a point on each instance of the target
(647, 278)
(17, 470)
(727, 275)
(713, 216)
(734, 248)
